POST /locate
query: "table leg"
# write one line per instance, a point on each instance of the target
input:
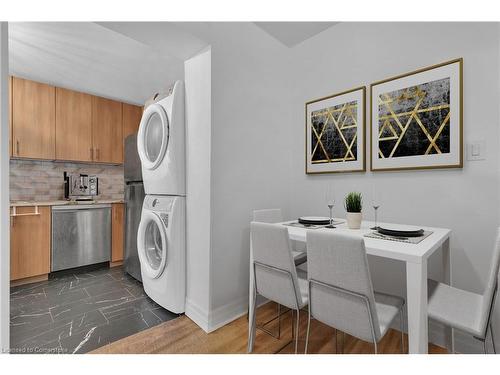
(449, 333)
(251, 303)
(416, 284)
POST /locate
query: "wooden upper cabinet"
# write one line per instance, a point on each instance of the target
(107, 130)
(60, 124)
(33, 119)
(132, 115)
(73, 125)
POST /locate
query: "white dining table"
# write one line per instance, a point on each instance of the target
(415, 257)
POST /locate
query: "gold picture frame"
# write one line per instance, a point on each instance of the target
(448, 73)
(355, 114)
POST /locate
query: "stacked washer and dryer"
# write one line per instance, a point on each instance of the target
(161, 236)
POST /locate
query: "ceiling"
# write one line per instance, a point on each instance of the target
(88, 57)
(164, 37)
(292, 33)
(127, 61)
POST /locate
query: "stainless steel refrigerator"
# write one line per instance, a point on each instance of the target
(134, 197)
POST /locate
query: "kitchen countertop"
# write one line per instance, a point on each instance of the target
(62, 202)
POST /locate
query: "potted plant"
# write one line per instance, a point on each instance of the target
(353, 206)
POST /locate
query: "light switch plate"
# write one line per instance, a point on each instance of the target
(476, 150)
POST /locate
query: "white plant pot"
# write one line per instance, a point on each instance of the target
(354, 220)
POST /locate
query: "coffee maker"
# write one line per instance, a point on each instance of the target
(80, 187)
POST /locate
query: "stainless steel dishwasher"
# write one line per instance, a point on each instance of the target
(81, 235)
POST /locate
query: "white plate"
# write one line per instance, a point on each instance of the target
(400, 227)
(314, 218)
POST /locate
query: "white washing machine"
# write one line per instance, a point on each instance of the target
(161, 144)
(161, 245)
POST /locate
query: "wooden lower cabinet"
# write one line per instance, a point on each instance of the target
(117, 230)
(30, 242)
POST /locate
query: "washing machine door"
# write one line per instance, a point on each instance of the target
(152, 245)
(152, 139)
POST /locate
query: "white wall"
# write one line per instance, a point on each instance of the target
(467, 201)
(198, 161)
(259, 88)
(249, 162)
(4, 190)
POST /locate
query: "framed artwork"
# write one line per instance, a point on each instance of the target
(416, 119)
(335, 133)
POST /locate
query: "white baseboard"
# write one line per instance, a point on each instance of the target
(197, 315)
(227, 313)
(221, 316)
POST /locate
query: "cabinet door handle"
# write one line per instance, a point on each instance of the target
(91, 153)
(14, 213)
(17, 147)
(97, 153)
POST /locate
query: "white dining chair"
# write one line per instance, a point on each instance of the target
(274, 271)
(341, 291)
(463, 310)
(274, 215)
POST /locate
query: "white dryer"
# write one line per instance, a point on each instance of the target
(161, 245)
(161, 144)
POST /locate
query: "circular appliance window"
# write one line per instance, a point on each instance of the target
(153, 136)
(153, 245)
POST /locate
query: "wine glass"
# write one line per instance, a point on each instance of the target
(330, 201)
(376, 206)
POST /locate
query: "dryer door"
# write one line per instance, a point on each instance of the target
(152, 139)
(152, 245)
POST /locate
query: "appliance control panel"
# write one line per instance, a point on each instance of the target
(93, 185)
(156, 203)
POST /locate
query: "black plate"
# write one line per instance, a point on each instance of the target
(401, 233)
(314, 222)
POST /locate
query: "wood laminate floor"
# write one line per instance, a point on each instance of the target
(183, 336)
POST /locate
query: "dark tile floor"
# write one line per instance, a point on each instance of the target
(79, 312)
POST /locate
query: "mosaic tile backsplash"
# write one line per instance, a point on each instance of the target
(43, 180)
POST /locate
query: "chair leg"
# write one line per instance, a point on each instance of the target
(402, 327)
(343, 343)
(339, 337)
(485, 349)
(375, 350)
(293, 325)
(297, 332)
(252, 328)
(335, 339)
(262, 327)
(307, 332)
(279, 321)
(493, 338)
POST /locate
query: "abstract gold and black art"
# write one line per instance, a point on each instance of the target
(416, 119)
(335, 132)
